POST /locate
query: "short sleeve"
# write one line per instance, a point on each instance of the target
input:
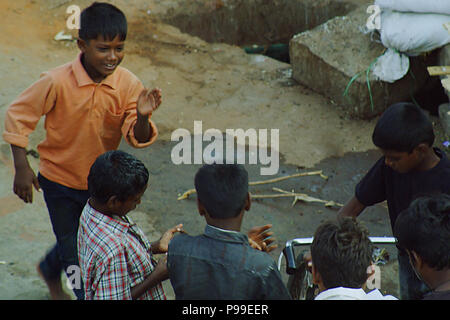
(371, 189)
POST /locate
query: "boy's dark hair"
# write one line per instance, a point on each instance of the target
(425, 228)
(116, 173)
(402, 127)
(341, 252)
(103, 19)
(222, 189)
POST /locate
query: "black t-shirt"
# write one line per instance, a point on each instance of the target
(400, 189)
(437, 295)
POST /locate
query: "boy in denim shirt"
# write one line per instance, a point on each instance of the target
(220, 264)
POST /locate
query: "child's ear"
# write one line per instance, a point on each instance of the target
(316, 278)
(82, 45)
(112, 202)
(248, 202)
(201, 209)
(416, 260)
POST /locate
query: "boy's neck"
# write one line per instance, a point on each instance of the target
(430, 161)
(440, 281)
(232, 224)
(97, 78)
(226, 225)
(100, 207)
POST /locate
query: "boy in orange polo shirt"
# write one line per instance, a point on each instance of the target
(89, 104)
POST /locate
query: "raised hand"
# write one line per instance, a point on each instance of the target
(148, 101)
(260, 238)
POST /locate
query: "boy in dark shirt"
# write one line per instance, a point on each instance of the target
(221, 264)
(423, 230)
(410, 166)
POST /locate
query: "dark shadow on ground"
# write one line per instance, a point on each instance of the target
(168, 181)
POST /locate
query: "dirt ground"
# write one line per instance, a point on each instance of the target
(216, 83)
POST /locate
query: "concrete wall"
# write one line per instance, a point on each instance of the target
(253, 21)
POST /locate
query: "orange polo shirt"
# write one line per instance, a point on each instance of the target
(83, 119)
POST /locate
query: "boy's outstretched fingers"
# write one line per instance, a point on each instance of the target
(36, 184)
(307, 258)
(261, 238)
(157, 96)
(146, 102)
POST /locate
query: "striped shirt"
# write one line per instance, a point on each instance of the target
(114, 256)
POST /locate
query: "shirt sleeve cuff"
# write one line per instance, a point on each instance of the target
(15, 139)
(131, 139)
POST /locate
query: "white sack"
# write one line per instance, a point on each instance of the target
(414, 33)
(391, 66)
(421, 6)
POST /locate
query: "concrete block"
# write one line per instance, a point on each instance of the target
(326, 58)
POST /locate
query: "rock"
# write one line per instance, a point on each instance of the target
(327, 58)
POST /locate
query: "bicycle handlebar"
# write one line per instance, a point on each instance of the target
(288, 250)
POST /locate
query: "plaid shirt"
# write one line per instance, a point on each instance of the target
(114, 256)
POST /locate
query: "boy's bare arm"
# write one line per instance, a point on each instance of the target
(352, 208)
(148, 101)
(24, 178)
(159, 274)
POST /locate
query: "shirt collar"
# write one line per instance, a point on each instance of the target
(342, 293)
(225, 235)
(83, 78)
(116, 225)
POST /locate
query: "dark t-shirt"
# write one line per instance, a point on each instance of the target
(437, 295)
(400, 189)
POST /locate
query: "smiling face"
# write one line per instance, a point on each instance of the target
(101, 56)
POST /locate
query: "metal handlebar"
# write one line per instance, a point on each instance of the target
(288, 250)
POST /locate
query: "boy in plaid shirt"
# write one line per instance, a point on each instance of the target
(116, 259)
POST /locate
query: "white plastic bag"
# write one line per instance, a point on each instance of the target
(391, 66)
(413, 33)
(421, 6)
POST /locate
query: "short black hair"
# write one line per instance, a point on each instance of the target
(222, 189)
(116, 173)
(424, 227)
(402, 127)
(341, 252)
(102, 19)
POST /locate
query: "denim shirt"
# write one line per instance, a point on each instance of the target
(221, 265)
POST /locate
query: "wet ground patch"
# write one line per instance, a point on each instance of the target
(169, 181)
